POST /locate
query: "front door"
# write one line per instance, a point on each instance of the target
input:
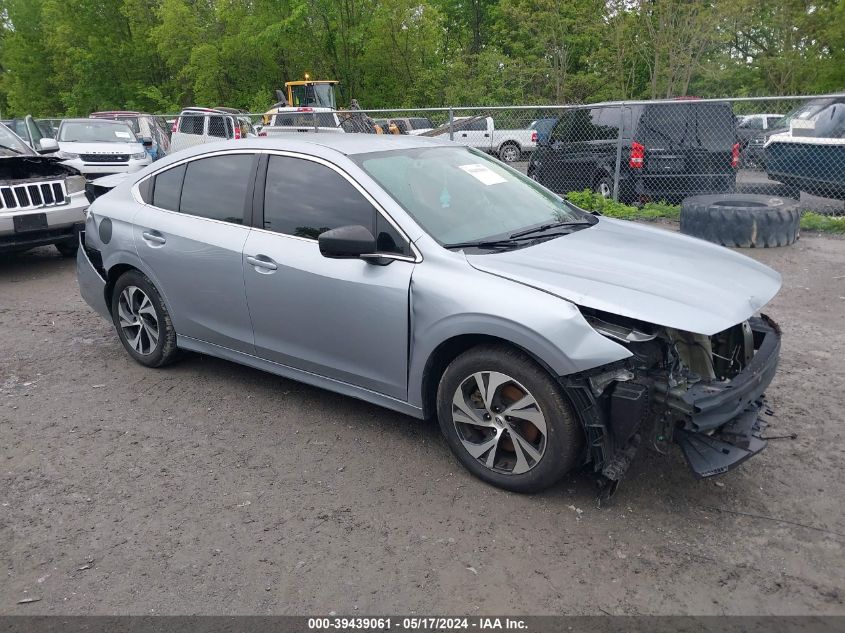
(345, 319)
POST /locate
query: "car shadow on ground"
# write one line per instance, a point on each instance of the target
(652, 474)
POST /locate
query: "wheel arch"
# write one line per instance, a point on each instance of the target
(447, 351)
(510, 141)
(118, 267)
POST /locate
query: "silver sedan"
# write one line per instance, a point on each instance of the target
(431, 279)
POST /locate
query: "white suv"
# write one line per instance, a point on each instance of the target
(196, 126)
(97, 147)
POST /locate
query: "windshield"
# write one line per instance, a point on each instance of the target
(93, 131)
(11, 145)
(806, 111)
(304, 119)
(315, 95)
(458, 194)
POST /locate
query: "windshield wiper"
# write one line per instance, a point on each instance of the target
(11, 149)
(545, 227)
(513, 240)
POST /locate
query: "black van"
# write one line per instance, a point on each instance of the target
(668, 150)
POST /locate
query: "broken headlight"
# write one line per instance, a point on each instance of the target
(74, 184)
(625, 333)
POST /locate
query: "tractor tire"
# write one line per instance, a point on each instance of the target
(741, 220)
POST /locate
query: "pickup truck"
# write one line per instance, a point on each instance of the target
(286, 120)
(481, 133)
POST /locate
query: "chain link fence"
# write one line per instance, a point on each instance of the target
(633, 152)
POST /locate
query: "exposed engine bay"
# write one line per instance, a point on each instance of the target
(704, 393)
(15, 169)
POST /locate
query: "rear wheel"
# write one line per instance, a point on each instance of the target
(142, 321)
(509, 153)
(506, 420)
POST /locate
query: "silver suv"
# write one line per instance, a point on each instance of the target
(431, 279)
(42, 201)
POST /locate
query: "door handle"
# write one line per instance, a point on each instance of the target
(266, 263)
(153, 236)
(486, 135)
(464, 134)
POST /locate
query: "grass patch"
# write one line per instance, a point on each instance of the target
(591, 201)
(826, 224)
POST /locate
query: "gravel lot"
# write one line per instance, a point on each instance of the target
(208, 487)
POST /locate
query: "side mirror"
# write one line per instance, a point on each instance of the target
(48, 145)
(147, 141)
(347, 242)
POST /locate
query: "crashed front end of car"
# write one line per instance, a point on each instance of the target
(704, 393)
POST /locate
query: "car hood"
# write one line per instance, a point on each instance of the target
(643, 273)
(101, 148)
(33, 166)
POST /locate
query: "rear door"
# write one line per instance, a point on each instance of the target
(191, 239)
(190, 131)
(688, 146)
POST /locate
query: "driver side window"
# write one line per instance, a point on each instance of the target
(304, 198)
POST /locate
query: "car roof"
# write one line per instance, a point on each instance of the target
(346, 144)
(98, 120)
(127, 113)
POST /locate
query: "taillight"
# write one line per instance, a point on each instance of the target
(175, 125)
(635, 160)
(735, 155)
(534, 136)
(262, 134)
(237, 132)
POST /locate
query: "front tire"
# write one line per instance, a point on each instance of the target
(506, 419)
(142, 321)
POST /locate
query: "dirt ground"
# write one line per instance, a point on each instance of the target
(208, 487)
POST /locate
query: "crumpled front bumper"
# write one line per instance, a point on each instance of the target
(92, 286)
(723, 421)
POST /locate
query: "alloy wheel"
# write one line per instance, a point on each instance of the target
(509, 153)
(499, 422)
(138, 320)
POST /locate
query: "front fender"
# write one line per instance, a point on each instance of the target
(549, 328)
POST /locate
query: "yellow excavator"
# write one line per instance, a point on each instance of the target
(320, 93)
(304, 93)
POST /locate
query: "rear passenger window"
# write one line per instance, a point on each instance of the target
(305, 199)
(216, 126)
(167, 188)
(216, 187)
(191, 124)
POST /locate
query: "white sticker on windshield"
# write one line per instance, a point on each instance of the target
(122, 134)
(483, 173)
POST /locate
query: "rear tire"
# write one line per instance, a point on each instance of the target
(506, 419)
(509, 153)
(741, 220)
(142, 321)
